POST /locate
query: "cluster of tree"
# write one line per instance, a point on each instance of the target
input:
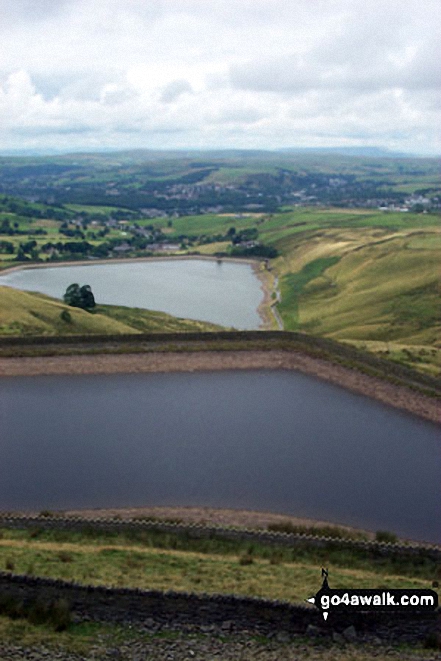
(72, 233)
(6, 247)
(79, 297)
(7, 228)
(73, 247)
(27, 251)
(32, 210)
(248, 234)
(258, 250)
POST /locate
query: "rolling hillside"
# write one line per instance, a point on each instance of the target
(375, 288)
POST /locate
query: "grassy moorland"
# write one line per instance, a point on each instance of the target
(152, 560)
(26, 313)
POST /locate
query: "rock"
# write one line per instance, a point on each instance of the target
(350, 634)
(150, 623)
(227, 625)
(312, 630)
(206, 628)
(283, 637)
(338, 638)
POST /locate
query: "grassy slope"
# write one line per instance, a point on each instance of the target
(166, 561)
(345, 276)
(25, 313)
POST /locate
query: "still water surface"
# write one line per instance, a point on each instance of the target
(264, 440)
(225, 293)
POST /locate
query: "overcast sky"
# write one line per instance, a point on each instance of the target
(265, 74)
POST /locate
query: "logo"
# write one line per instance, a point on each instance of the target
(327, 599)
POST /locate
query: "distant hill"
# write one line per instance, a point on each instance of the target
(173, 154)
(25, 313)
(373, 152)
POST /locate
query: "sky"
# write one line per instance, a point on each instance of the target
(200, 74)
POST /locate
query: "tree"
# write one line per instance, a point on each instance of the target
(7, 247)
(79, 297)
(87, 297)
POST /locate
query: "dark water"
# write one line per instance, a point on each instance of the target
(225, 293)
(264, 440)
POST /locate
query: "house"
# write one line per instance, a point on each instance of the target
(122, 248)
(163, 247)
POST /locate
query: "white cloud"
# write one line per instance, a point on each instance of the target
(254, 73)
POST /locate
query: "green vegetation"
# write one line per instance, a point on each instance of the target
(54, 613)
(318, 531)
(79, 297)
(292, 287)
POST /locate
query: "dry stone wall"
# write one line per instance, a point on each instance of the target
(156, 611)
(201, 531)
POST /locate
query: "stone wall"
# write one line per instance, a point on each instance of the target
(199, 531)
(155, 611)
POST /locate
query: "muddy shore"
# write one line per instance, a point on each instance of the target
(397, 396)
(210, 516)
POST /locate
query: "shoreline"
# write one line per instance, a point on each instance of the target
(217, 517)
(223, 517)
(263, 309)
(397, 396)
(127, 260)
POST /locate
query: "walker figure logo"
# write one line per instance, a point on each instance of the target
(327, 599)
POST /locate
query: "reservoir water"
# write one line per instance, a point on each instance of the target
(225, 293)
(265, 440)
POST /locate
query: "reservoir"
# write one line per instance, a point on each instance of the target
(265, 440)
(220, 292)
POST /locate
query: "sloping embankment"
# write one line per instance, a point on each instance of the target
(360, 372)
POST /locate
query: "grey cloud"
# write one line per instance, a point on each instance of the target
(126, 67)
(29, 11)
(370, 46)
(51, 130)
(173, 90)
(69, 85)
(293, 74)
(83, 86)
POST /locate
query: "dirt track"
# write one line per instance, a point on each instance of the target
(397, 396)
